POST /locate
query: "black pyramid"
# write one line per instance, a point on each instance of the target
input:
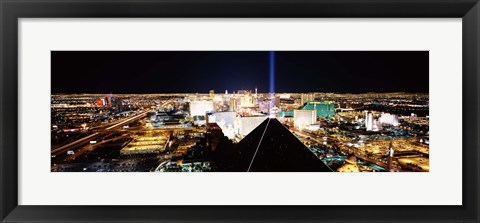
(271, 147)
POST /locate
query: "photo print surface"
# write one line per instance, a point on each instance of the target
(240, 111)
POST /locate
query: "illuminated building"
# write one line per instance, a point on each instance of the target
(119, 105)
(304, 98)
(325, 109)
(233, 104)
(199, 120)
(390, 156)
(200, 108)
(242, 92)
(145, 143)
(218, 98)
(303, 118)
(109, 99)
(314, 127)
(369, 121)
(210, 117)
(282, 114)
(99, 102)
(247, 124)
(284, 96)
(387, 118)
(246, 100)
(256, 100)
(276, 101)
(211, 94)
(376, 126)
(226, 121)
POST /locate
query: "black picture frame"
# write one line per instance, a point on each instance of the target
(12, 10)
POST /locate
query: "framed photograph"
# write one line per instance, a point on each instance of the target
(228, 111)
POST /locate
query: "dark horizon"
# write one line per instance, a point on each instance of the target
(157, 72)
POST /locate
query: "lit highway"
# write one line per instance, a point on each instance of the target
(85, 140)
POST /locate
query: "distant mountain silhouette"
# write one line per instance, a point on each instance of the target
(270, 147)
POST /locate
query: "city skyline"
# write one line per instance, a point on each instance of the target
(122, 72)
(240, 111)
(240, 133)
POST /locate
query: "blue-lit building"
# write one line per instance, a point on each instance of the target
(325, 109)
(285, 114)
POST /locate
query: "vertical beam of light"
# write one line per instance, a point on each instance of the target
(272, 83)
(272, 72)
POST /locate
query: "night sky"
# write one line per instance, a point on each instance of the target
(122, 72)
